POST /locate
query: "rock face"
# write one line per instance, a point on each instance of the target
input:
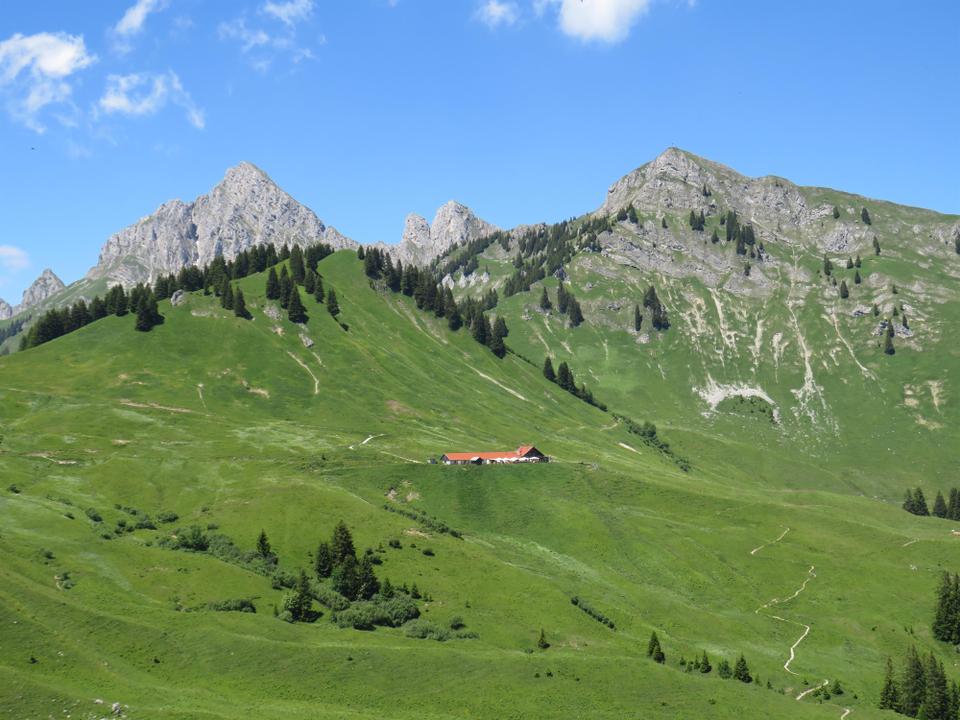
(247, 208)
(454, 223)
(42, 288)
(6, 312)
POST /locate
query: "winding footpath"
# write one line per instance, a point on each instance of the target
(806, 628)
(772, 542)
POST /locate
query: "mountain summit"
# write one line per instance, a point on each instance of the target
(245, 209)
(453, 223)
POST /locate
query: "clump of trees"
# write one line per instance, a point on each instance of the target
(921, 689)
(563, 376)
(697, 221)
(567, 304)
(654, 651)
(915, 503)
(592, 612)
(658, 314)
(946, 621)
(647, 431)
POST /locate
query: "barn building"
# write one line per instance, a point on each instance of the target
(523, 454)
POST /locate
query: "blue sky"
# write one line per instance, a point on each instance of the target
(525, 110)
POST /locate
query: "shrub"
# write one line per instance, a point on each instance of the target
(167, 517)
(428, 552)
(238, 605)
(425, 630)
(14, 489)
(93, 515)
(145, 523)
(193, 538)
(395, 544)
(365, 615)
(456, 623)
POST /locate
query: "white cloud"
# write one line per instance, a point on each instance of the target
(136, 15)
(249, 38)
(140, 94)
(290, 12)
(494, 13)
(34, 71)
(601, 20)
(13, 258)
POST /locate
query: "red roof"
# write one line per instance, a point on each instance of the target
(503, 455)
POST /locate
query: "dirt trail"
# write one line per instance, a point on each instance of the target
(761, 547)
(369, 438)
(910, 542)
(301, 363)
(200, 393)
(802, 695)
(779, 601)
(846, 711)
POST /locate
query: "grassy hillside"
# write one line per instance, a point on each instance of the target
(237, 426)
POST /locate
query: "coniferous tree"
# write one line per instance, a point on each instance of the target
(342, 543)
(913, 688)
(297, 271)
(632, 214)
(865, 216)
(542, 640)
(323, 561)
(361, 255)
(479, 329)
(563, 299)
(723, 669)
(565, 377)
(452, 312)
(575, 313)
(318, 293)
(888, 341)
(953, 701)
(936, 700)
(263, 545)
(285, 285)
(844, 293)
(310, 281)
(240, 306)
(299, 602)
(827, 266)
(663, 222)
(945, 618)
(367, 583)
(296, 312)
(704, 664)
(333, 307)
(876, 246)
(148, 316)
(545, 303)
(920, 503)
(939, 506)
(345, 577)
(654, 651)
(714, 237)
(890, 694)
(740, 670)
(849, 263)
(273, 285)
(495, 340)
(548, 372)
(637, 318)
(836, 212)
(226, 295)
(856, 277)
(953, 505)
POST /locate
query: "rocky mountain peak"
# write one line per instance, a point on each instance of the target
(43, 287)
(6, 312)
(453, 223)
(245, 209)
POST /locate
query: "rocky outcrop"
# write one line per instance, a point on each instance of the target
(42, 288)
(247, 208)
(453, 224)
(6, 312)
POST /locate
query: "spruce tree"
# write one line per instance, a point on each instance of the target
(936, 700)
(876, 246)
(367, 583)
(741, 672)
(632, 214)
(637, 318)
(714, 238)
(323, 561)
(296, 312)
(940, 506)
(333, 307)
(285, 285)
(542, 640)
(310, 281)
(704, 664)
(563, 299)
(263, 545)
(545, 303)
(827, 266)
(888, 344)
(663, 222)
(575, 313)
(342, 543)
(226, 295)
(345, 579)
(913, 688)
(148, 316)
(240, 306)
(953, 506)
(865, 216)
(953, 701)
(844, 293)
(297, 272)
(548, 372)
(890, 694)
(565, 377)
(479, 329)
(318, 293)
(856, 277)
(836, 212)
(945, 618)
(920, 502)
(298, 604)
(654, 651)
(495, 340)
(723, 669)
(908, 502)
(273, 285)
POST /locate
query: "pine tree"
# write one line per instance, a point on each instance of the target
(367, 583)
(741, 672)
(856, 277)
(323, 561)
(940, 506)
(298, 603)
(890, 694)
(273, 285)
(704, 664)
(495, 340)
(333, 307)
(263, 545)
(953, 505)
(310, 281)
(836, 212)
(240, 306)
(344, 578)
(632, 214)
(285, 285)
(575, 313)
(637, 318)
(296, 312)
(296, 265)
(936, 700)
(724, 670)
(913, 686)
(920, 502)
(542, 640)
(226, 295)
(865, 216)
(844, 293)
(342, 543)
(548, 372)
(545, 303)
(654, 651)
(318, 293)
(876, 246)
(565, 377)
(148, 316)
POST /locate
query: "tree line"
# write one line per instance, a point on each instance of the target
(563, 376)
(920, 689)
(915, 503)
(431, 296)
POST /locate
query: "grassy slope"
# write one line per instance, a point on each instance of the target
(255, 447)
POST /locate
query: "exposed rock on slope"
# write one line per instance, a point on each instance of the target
(6, 312)
(454, 223)
(247, 208)
(42, 288)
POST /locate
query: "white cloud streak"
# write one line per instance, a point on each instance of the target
(606, 21)
(141, 94)
(13, 258)
(34, 70)
(290, 12)
(497, 13)
(135, 17)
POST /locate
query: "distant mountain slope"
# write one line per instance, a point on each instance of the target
(454, 224)
(247, 208)
(45, 286)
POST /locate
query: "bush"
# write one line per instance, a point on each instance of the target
(365, 615)
(193, 538)
(428, 552)
(93, 515)
(239, 605)
(14, 489)
(167, 517)
(425, 630)
(145, 523)
(456, 623)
